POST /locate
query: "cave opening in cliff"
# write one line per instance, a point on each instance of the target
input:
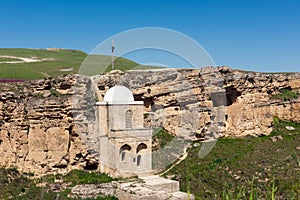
(148, 102)
(231, 95)
(91, 166)
(225, 98)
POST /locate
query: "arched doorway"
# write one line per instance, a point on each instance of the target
(139, 150)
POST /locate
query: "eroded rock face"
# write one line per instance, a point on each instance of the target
(211, 102)
(44, 129)
(37, 133)
(254, 108)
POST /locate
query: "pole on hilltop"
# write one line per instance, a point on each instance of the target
(112, 55)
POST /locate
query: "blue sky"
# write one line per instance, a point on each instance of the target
(260, 35)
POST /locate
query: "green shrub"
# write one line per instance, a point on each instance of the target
(286, 95)
(54, 93)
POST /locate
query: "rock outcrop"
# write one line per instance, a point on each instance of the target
(37, 132)
(49, 125)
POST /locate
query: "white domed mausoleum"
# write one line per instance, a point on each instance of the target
(125, 145)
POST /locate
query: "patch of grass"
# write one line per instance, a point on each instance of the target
(251, 167)
(12, 183)
(19, 71)
(54, 93)
(15, 185)
(286, 95)
(79, 177)
(46, 68)
(122, 64)
(279, 127)
(162, 137)
(85, 177)
(166, 150)
(98, 64)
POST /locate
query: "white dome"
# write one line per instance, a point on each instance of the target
(118, 94)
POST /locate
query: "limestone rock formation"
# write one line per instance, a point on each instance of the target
(49, 125)
(37, 132)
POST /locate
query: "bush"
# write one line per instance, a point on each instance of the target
(286, 95)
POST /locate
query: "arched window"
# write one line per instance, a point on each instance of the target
(125, 148)
(141, 147)
(128, 119)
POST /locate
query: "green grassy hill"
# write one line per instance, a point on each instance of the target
(55, 62)
(245, 168)
(61, 59)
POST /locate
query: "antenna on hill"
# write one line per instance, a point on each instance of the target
(112, 55)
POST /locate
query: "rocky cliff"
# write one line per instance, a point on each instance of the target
(50, 125)
(37, 132)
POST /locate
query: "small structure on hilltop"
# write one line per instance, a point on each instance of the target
(125, 145)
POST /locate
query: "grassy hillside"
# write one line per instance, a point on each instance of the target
(56, 62)
(96, 64)
(245, 168)
(62, 59)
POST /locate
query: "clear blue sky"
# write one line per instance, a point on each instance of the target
(260, 35)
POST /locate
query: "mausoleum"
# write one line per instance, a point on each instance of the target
(125, 145)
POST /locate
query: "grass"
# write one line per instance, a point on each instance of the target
(162, 137)
(73, 60)
(15, 185)
(166, 150)
(76, 177)
(286, 95)
(251, 167)
(61, 59)
(97, 64)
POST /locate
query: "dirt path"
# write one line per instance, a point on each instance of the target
(179, 160)
(24, 60)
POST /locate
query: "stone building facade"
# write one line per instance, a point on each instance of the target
(125, 145)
